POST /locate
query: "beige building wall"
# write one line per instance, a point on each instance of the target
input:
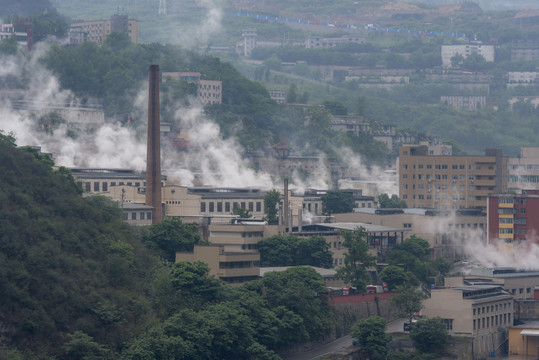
(97, 31)
(449, 182)
(523, 171)
(445, 234)
(524, 341)
(484, 318)
(232, 267)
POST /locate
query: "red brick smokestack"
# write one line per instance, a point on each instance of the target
(153, 155)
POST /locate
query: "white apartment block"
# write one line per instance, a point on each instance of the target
(448, 51)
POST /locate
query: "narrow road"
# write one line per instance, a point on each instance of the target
(341, 345)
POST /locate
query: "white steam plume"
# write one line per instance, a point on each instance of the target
(211, 159)
(385, 182)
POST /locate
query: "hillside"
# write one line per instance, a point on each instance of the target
(78, 283)
(67, 264)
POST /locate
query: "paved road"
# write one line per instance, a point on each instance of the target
(341, 345)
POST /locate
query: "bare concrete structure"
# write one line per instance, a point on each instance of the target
(153, 156)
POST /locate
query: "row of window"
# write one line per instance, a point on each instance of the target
(105, 185)
(491, 321)
(492, 308)
(238, 264)
(516, 221)
(442, 197)
(523, 178)
(446, 167)
(511, 211)
(454, 177)
(522, 167)
(143, 215)
(218, 206)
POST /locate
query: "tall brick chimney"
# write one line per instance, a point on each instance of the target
(153, 155)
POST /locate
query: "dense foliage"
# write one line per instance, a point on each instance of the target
(77, 282)
(372, 338)
(356, 259)
(430, 335)
(337, 202)
(70, 268)
(292, 250)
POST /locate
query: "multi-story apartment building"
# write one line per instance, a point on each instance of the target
(522, 78)
(449, 182)
(512, 218)
(465, 102)
(448, 51)
(523, 171)
(98, 30)
(22, 30)
(208, 91)
(321, 42)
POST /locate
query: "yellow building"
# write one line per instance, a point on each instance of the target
(234, 268)
(524, 340)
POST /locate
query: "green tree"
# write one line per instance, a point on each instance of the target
(429, 335)
(292, 94)
(292, 250)
(241, 212)
(413, 253)
(82, 346)
(408, 300)
(171, 236)
(372, 337)
(394, 276)
(356, 259)
(297, 289)
(335, 107)
(50, 23)
(271, 201)
(393, 202)
(337, 202)
(9, 46)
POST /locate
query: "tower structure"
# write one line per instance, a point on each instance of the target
(162, 7)
(153, 155)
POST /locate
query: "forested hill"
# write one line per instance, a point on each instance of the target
(67, 264)
(76, 282)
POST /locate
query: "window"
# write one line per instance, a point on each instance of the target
(202, 207)
(405, 176)
(142, 215)
(149, 215)
(243, 205)
(523, 210)
(259, 206)
(429, 166)
(251, 206)
(405, 166)
(96, 186)
(219, 207)
(405, 197)
(211, 206)
(105, 187)
(133, 216)
(448, 323)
